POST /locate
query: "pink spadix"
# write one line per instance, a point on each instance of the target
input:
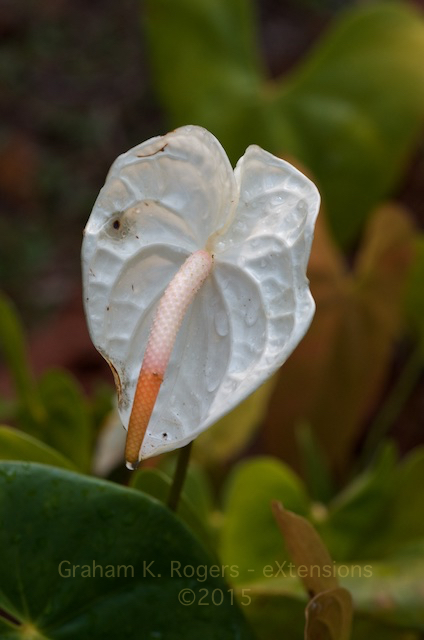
(168, 318)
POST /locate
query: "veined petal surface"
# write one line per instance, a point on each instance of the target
(261, 271)
(163, 200)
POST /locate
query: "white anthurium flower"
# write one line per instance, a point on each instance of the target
(242, 298)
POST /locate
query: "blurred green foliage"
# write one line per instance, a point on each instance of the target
(363, 528)
(350, 114)
(52, 409)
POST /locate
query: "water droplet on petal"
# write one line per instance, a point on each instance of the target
(251, 316)
(230, 385)
(240, 226)
(221, 323)
(275, 201)
(211, 381)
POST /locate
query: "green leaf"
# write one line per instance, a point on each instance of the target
(15, 445)
(352, 528)
(205, 64)
(196, 484)
(13, 346)
(356, 107)
(365, 628)
(392, 405)
(198, 490)
(407, 521)
(387, 597)
(391, 590)
(350, 112)
(314, 464)
(54, 521)
(68, 426)
(276, 617)
(250, 539)
(329, 616)
(277, 604)
(157, 484)
(230, 435)
(415, 292)
(54, 409)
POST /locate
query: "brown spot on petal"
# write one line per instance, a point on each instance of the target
(147, 155)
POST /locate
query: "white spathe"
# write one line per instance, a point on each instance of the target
(163, 200)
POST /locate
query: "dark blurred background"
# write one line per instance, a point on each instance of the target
(75, 91)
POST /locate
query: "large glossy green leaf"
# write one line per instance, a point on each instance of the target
(16, 445)
(53, 521)
(250, 540)
(350, 112)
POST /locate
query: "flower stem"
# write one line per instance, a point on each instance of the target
(179, 477)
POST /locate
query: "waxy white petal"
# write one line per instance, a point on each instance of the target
(163, 200)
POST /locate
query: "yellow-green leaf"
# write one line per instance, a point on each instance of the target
(227, 437)
(16, 445)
